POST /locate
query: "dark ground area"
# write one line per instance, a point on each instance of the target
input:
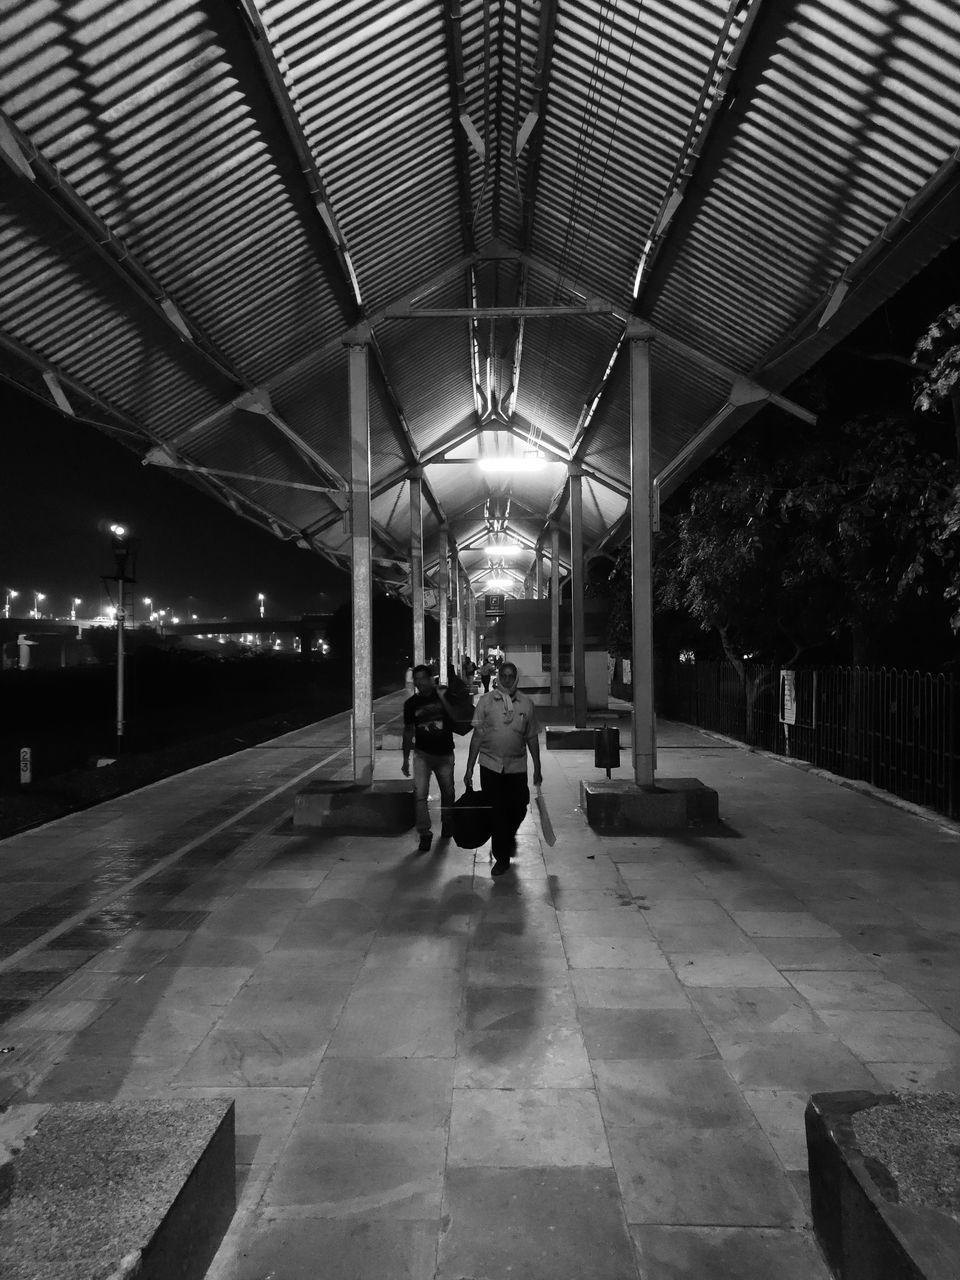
(183, 714)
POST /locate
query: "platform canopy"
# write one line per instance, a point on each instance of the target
(201, 199)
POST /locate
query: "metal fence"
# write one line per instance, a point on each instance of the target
(899, 730)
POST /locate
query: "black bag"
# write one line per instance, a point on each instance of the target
(471, 820)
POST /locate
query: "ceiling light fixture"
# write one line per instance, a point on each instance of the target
(513, 462)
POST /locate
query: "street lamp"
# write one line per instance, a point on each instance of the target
(38, 596)
(124, 557)
(74, 601)
(261, 597)
(11, 596)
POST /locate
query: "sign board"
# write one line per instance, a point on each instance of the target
(493, 605)
(788, 697)
(26, 765)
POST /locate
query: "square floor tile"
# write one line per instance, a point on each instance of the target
(731, 1010)
(413, 1091)
(728, 1253)
(506, 1128)
(614, 953)
(346, 1170)
(722, 970)
(722, 1176)
(805, 1062)
(894, 1035)
(283, 1247)
(548, 1057)
(645, 1034)
(548, 1224)
(692, 1093)
(628, 989)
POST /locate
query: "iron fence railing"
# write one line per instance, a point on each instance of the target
(899, 730)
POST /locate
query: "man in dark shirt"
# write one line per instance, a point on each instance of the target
(428, 729)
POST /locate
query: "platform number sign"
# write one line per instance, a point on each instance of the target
(26, 765)
(493, 605)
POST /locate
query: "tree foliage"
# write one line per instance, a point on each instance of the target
(830, 536)
(937, 357)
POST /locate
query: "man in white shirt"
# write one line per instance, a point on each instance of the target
(505, 729)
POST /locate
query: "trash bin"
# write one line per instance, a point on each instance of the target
(606, 748)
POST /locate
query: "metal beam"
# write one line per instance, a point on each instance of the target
(453, 19)
(276, 85)
(56, 195)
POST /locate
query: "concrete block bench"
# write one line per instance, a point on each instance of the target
(870, 1227)
(110, 1190)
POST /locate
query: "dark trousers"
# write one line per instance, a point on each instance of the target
(508, 795)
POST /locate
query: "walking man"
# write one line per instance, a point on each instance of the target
(428, 729)
(505, 729)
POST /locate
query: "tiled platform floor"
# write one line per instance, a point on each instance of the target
(596, 1066)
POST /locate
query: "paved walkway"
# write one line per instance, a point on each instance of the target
(596, 1066)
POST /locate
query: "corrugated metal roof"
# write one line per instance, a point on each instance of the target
(199, 199)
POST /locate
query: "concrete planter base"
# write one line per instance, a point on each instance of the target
(865, 1233)
(134, 1188)
(618, 807)
(352, 809)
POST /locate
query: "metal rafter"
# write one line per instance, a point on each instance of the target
(272, 75)
(58, 197)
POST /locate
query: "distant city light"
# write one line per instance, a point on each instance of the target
(11, 596)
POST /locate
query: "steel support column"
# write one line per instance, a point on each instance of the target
(644, 723)
(362, 568)
(579, 664)
(455, 603)
(539, 570)
(443, 587)
(554, 616)
(416, 566)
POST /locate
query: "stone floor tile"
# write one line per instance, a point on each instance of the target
(86, 1078)
(251, 1057)
(684, 911)
(826, 989)
(614, 953)
(728, 1253)
(538, 1224)
(508, 1128)
(396, 1022)
(645, 1034)
(719, 938)
(814, 953)
(782, 924)
(550, 1057)
(518, 1008)
(713, 969)
(924, 1077)
(490, 968)
(57, 1013)
(895, 1036)
(412, 1091)
(445, 952)
(346, 1170)
(673, 1175)
(284, 1247)
(628, 989)
(692, 1093)
(804, 1062)
(733, 1010)
(612, 922)
(779, 1113)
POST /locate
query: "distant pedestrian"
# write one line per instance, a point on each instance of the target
(505, 729)
(428, 730)
(486, 674)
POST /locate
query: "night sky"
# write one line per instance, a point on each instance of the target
(63, 482)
